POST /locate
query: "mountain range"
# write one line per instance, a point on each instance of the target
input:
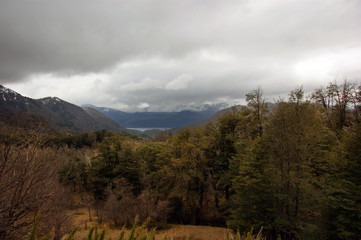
(53, 112)
(158, 119)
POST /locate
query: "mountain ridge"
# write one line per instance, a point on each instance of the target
(60, 114)
(156, 119)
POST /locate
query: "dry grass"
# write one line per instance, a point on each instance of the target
(177, 232)
(198, 232)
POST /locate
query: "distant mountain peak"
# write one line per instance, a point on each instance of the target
(202, 107)
(102, 109)
(52, 100)
(7, 94)
(7, 90)
(59, 114)
(108, 109)
(88, 106)
(56, 99)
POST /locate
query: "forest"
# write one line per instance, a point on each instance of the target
(292, 168)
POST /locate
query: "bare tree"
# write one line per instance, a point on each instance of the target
(28, 183)
(336, 100)
(356, 100)
(257, 103)
(122, 207)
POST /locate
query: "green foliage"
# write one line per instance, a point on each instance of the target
(115, 160)
(137, 232)
(246, 235)
(151, 161)
(32, 234)
(122, 233)
(90, 234)
(71, 235)
(293, 132)
(343, 209)
(293, 171)
(252, 202)
(97, 236)
(74, 174)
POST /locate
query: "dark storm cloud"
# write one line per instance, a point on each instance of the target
(88, 36)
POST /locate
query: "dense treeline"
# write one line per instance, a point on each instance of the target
(293, 169)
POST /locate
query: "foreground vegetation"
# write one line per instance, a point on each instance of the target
(292, 170)
(142, 232)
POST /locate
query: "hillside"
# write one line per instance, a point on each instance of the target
(213, 118)
(107, 123)
(60, 114)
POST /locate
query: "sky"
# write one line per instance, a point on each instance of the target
(158, 55)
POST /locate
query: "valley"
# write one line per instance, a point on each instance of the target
(61, 115)
(180, 120)
(238, 169)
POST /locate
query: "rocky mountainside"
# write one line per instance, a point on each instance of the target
(60, 114)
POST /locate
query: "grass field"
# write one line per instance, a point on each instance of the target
(177, 232)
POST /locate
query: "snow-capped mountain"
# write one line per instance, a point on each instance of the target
(60, 114)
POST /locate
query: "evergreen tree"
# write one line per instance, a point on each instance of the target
(252, 202)
(115, 160)
(344, 189)
(293, 132)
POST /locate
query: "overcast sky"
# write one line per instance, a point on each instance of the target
(160, 54)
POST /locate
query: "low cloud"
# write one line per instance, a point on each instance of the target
(179, 83)
(143, 106)
(145, 83)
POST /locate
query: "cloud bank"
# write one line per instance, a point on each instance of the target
(161, 54)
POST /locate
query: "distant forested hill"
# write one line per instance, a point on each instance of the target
(156, 119)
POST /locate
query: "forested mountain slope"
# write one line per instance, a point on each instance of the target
(60, 114)
(157, 119)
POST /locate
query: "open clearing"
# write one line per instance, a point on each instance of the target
(177, 232)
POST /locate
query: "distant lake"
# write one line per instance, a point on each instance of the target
(146, 129)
